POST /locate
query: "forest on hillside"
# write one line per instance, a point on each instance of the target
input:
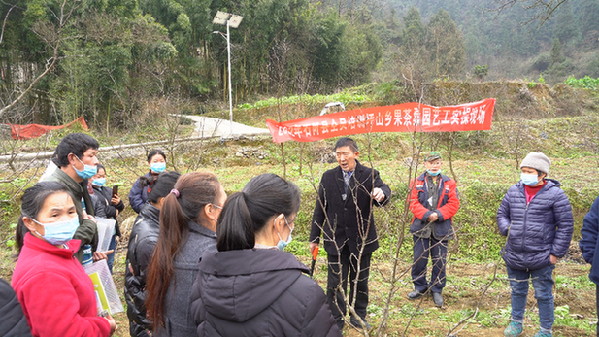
(108, 60)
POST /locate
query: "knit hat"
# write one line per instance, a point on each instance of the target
(432, 156)
(537, 160)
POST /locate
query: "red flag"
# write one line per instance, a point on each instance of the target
(406, 117)
(29, 131)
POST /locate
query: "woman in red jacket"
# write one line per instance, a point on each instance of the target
(56, 294)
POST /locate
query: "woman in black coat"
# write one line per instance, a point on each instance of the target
(13, 322)
(142, 241)
(250, 287)
(106, 206)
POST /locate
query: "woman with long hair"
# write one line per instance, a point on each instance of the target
(57, 296)
(142, 240)
(187, 230)
(250, 287)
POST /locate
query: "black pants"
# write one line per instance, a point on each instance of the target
(343, 268)
(438, 252)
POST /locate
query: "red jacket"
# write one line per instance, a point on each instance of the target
(57, 296)
(447, 207)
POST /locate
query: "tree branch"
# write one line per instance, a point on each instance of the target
(4, 23)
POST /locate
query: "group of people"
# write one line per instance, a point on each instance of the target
(202, 263)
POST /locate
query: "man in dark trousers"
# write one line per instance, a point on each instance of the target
(433, 201)
(343, 212)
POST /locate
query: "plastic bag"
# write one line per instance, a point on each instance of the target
(106, 294)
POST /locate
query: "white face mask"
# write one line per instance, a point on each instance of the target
(282, 244)
(529, 179)
(59, 232)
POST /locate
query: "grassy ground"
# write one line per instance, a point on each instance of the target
(477, 300)
(471, 270)
(484, 163)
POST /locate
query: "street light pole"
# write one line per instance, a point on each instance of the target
(231, 21)
(229, 77)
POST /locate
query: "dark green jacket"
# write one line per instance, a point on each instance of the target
(87, 231)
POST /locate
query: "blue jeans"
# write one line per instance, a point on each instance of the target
(542, 283)
(112, 247)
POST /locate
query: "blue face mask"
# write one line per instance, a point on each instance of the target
(529, 179)
(60, 232)
(158, 167)
(282, 244)
(88, 170)
(99, 182)
(434, 174)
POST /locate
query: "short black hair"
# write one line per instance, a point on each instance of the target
(346, 141)
(75, 143)
(155, 152)
(32, 202)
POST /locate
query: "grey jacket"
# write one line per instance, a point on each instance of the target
(88, 230)
(178, 320)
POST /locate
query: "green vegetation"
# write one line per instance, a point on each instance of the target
(307, 99)
(585, 82)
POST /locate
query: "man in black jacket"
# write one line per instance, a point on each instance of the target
(343, 212)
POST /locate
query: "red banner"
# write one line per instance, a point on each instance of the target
(406, 117)
(29, 131)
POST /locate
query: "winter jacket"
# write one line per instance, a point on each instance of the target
(138, 195)
(142, 241)
(178, 320)
(13, 322)
(536, 230)
(258, 292)
(589, 243)
(446, 208)
(56, 294)
(103, 207)
(87, 231)
(338, 218)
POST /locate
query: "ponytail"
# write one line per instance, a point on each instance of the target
(235, 228)
(183, 204)
(245, 213)
(173, 228)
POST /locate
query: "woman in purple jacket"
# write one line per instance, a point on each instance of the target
(536, 217)
(138, 195)
(589, 245)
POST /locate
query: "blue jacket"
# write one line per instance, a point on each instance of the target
(589, 243)
(538, 229)
(138, 195)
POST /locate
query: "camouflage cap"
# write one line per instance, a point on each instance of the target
(432, 156)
